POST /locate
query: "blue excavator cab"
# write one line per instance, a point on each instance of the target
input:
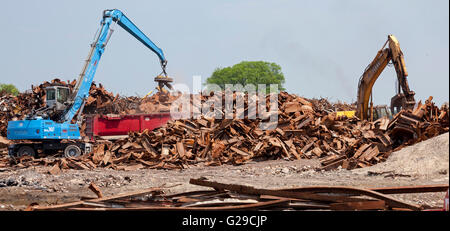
(57, 96)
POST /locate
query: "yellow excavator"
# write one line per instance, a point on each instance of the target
(404, 97)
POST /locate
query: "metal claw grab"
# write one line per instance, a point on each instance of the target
(162, 79)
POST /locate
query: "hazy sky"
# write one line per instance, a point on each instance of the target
(322, 46)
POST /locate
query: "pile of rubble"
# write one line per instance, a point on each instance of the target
(99, 101)
(301, 133)
(325, 105)
(305, 129)
(103, 102)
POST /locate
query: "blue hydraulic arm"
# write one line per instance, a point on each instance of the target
(81, 90)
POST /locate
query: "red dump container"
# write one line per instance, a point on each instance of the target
(120, 125)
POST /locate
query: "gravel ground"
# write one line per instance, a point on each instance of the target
(425, 163)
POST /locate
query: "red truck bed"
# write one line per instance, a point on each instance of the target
(120, 125)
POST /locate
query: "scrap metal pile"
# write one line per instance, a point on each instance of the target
(18, 107)
(232, 197)
(99, 101)
(305, 129)
(302, 132)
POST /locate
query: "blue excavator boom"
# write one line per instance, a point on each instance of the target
(110, 17)
(41, 127)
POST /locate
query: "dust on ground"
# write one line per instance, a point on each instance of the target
(424, 163)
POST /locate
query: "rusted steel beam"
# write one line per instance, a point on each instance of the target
(342, 199)
(193, 193)
(392, 202)
(103, 199)
(291, 195)
(94, 188)
(384, 190)
(363, 205)
(412, 189)
(259, 205)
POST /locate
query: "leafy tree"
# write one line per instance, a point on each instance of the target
(9, 89)
(249, 72)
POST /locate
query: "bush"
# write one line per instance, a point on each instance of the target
(8, 89)
(249, 72)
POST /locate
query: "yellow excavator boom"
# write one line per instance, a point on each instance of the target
(373, 71)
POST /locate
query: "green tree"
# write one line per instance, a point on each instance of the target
(249, 72)
(8, 89)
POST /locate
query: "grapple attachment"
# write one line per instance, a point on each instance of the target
(163, 81)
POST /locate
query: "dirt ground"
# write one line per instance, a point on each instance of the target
(425, 163)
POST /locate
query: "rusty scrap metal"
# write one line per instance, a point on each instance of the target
(241, 197)
(306, 129)
(304, 195)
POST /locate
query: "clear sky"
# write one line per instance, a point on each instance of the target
(322, 46)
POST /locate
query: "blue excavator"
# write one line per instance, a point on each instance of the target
(55, 127)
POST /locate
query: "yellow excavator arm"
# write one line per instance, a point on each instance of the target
(373, 71)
